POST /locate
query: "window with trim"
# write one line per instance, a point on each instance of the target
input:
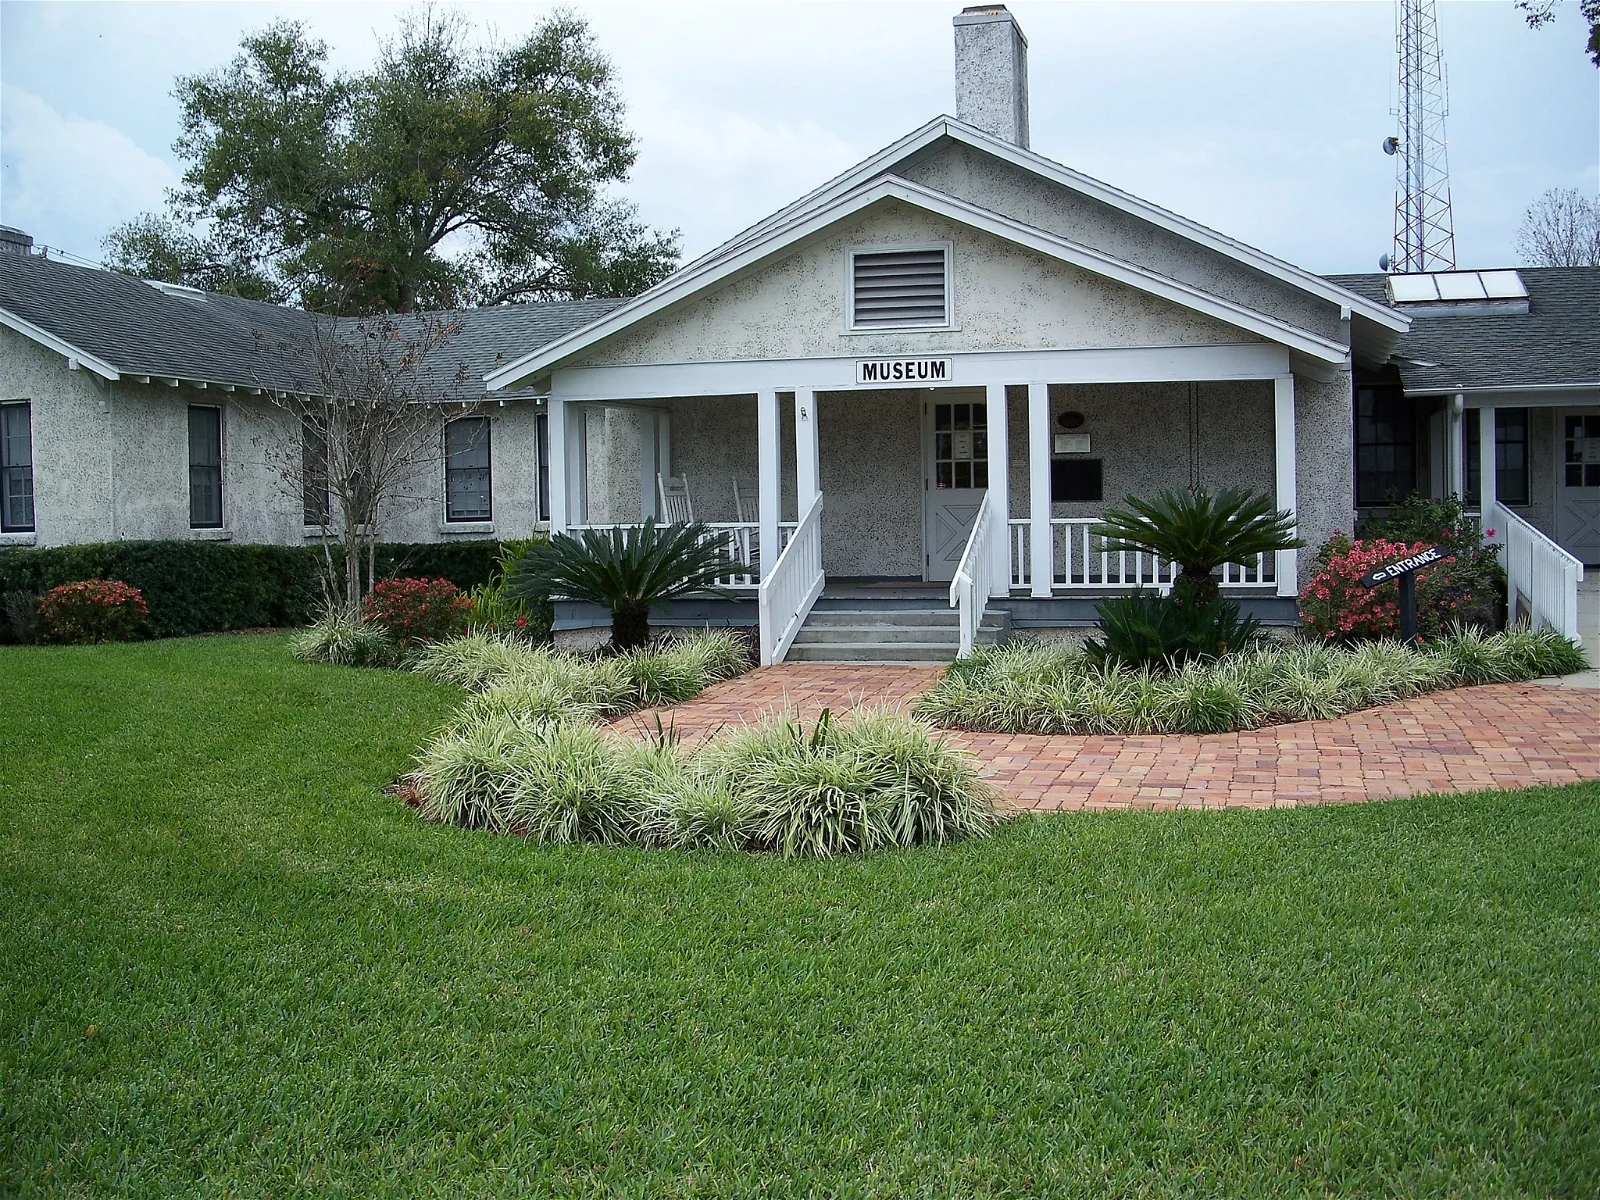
(467, 485)
(314, 474)
(541, 434)
(1510, 456)
(900, 288)
(205, 467)
(1386, 446)
(16, 467)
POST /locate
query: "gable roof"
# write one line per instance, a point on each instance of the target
(836, 198)
(745, 253)
(116, 325)
(1555, 344)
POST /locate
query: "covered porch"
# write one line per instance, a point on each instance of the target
(977, 478)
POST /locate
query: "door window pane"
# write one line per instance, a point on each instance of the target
(467, 481)
(1580, 451)
(960, 446)
(16, 468)
(1510, 456)
(205, 467)
(1386, 446)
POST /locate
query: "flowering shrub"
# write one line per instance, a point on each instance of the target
(1477, 581)
(417, 610)
(1336, 605)
(95, 610)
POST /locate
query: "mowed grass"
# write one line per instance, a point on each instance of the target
(296, 987)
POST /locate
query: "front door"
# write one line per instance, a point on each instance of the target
(1578, 486)
(956, 440)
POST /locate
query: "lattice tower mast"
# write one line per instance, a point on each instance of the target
(1424, 230)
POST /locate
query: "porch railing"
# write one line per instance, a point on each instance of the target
(1079, 561)
(739, 540)
(1538, 571)
(792, 586)
(969, 591)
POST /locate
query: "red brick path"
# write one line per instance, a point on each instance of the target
(1502, 736)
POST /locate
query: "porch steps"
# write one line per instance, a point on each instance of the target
(886, 630)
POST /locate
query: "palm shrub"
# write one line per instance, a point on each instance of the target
(1146, 629)
(626, 571)
(1200, 533)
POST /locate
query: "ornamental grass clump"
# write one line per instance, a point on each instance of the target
(1041, 689)
(343, 638)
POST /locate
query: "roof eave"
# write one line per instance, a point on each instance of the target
(75, 356)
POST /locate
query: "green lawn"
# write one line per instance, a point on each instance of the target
(296, 987)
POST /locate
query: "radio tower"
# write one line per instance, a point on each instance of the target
(1424, 231)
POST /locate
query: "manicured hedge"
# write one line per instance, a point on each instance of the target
(206, 587)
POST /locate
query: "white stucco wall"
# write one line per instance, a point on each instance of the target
(111, 461)
(960, 170)
(1006, 298)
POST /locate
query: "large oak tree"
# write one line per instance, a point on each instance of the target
(450, 173)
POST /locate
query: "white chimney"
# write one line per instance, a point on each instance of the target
(992, 73)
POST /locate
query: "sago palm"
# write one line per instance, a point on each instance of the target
(625, 570)
(1200, 532)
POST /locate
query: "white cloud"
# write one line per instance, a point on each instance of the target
(67, 179)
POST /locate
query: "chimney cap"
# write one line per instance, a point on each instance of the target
(983, 14)
(15, 241)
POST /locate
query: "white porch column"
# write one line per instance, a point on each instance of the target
(1040, 551)
(807, 458)
(648, 462)
(1000, 487)
(1488, 491)
(768, 468)
(556, 449)
(1288, 563)
(1455, 474)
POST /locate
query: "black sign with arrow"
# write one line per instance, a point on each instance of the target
(1405, 570)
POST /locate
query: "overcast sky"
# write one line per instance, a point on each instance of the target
(1262, 120)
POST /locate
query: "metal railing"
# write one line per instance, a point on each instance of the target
(969, 590)
(1538, 571)
(739, 540)
(791, 587)
(1079, 561)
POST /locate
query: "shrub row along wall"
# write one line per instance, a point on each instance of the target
(207, 587)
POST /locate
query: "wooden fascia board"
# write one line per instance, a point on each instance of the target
(64, 348)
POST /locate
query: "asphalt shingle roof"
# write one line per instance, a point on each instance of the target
(142, 330)
(1557, 341)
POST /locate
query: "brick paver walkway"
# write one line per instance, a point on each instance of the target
(1501, 736)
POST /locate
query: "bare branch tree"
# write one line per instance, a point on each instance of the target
(1561, 229)
(370, 396)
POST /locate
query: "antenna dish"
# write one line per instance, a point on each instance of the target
(1391, 145)
(1383, 262)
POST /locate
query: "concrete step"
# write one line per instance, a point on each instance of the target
(932, 652)
(926, 618)
(841, 634)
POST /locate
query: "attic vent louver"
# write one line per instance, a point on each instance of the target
(900, 287)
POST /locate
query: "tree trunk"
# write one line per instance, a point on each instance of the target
(1197, 584)
(630, 627)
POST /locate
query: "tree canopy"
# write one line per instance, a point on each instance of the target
(450, 173)
(1561, 229)
(1542, 12)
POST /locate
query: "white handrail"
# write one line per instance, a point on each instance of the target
(792, 586)
(1538, 570)
(1080, 563)
(969, 590)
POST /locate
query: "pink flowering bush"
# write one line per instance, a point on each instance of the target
(1336, 606)
(93, 610)
(417, 610)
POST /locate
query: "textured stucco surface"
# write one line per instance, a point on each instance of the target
(1006, 298)
(992, 75)
(111, 461)
(1324, 452)
(960, 170)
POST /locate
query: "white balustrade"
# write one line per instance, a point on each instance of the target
(786, 595)
(969, 590)
(739, 540)
(1079, 561)
(1537, 570)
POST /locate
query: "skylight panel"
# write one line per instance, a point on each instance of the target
(1459, 285)
(1503, 285)
(1408, 289)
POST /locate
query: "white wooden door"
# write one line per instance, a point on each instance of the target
(1578, 485)
(956, 442)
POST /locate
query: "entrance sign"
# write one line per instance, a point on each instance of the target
(1404, 566)
(903, 370)
(1405, 571)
